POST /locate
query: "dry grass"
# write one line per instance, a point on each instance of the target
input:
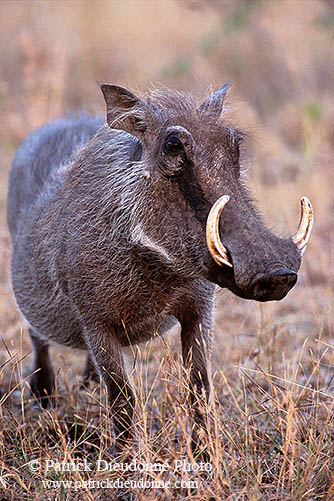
(272, 435)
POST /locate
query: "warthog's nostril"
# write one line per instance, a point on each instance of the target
(273, 286)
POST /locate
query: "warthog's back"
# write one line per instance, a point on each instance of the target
(43, 151)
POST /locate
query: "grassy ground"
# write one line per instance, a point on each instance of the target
(273, 364)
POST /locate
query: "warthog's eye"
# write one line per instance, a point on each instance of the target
(175, 150)
(173, 145)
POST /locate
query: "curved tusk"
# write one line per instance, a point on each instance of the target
(215, 246)
(303, 232)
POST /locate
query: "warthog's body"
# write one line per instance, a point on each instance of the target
(108, 229)
(74, 250)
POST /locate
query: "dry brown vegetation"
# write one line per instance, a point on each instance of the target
(273, 364)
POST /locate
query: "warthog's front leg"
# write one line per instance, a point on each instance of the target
(105, 352)
(196, 347)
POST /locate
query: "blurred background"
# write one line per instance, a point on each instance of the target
(279, 58)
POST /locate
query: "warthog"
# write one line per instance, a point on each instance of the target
(118, 233)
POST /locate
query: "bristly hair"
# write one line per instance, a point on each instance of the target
(182, 105)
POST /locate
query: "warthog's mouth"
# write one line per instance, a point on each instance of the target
(272, 285)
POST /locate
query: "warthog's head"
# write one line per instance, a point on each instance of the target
(194, 213)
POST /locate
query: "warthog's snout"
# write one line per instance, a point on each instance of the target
(259, 265)
(273, 286)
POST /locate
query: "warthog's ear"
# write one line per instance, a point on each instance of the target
(214, 103)
(125, 111)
